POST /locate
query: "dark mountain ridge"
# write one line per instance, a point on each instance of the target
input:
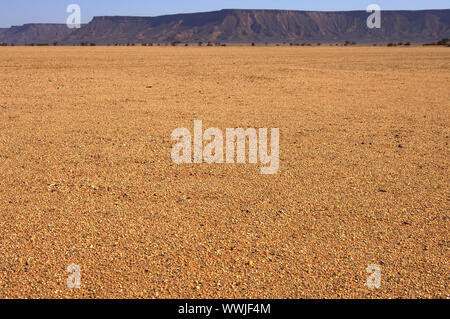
(245, 26)
(35, 33)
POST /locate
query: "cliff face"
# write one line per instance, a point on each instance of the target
(244, 26)
(35, 33)
(267, 25)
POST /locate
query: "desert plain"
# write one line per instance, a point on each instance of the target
(86, 175)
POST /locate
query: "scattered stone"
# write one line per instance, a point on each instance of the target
(277, 254)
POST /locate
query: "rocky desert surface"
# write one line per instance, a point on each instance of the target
(86, 175)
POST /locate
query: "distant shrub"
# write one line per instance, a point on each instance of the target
(92, 44)
(253, 44)
(444, 41)
(407, 44)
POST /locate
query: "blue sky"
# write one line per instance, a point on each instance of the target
(16, 12)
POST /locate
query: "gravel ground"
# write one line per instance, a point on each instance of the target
(86, 175)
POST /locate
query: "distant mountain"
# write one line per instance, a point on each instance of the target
(34, 33)
(266, 26)
(245, 26)
(2, 30)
